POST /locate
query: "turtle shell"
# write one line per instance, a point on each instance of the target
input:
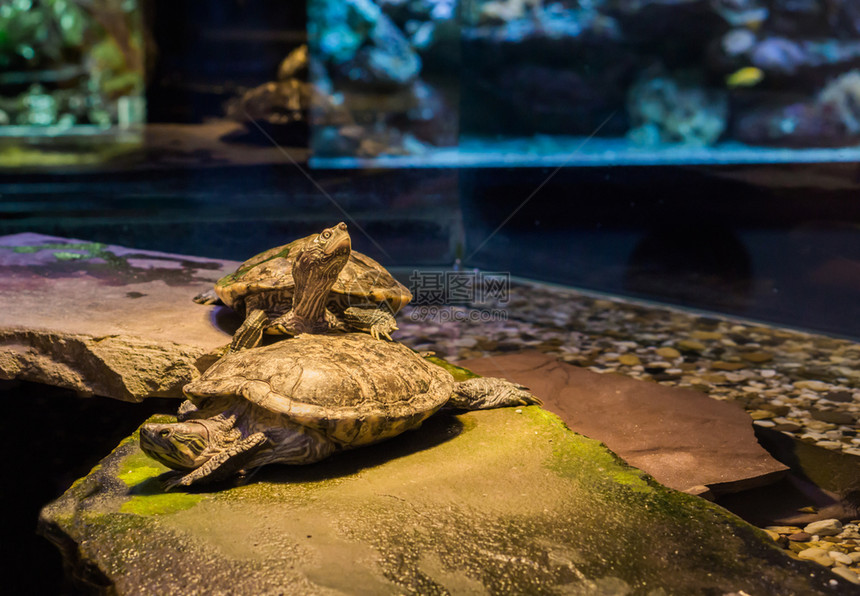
(355, 389)
(362, 280)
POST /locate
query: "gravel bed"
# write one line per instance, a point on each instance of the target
(802, 384)
(826, 542)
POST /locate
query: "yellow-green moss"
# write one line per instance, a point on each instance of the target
(140, 472)
(572, 451)
(160, 503)
(459, 373)
(135, 476)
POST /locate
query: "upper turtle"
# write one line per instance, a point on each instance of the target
(364, 297)
(362, 281)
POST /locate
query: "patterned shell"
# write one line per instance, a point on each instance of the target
(362, 279)
(355, 389)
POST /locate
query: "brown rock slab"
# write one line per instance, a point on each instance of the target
(504, 501)
(681, 437)
(106, 320)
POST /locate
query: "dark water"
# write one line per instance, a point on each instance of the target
(51, 438)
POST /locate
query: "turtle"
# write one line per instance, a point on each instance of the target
(365, 296)
(298, 401)
(301, 400)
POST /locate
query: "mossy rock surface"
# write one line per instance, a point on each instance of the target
(503, 501)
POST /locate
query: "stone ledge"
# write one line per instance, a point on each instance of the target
(106, 320)
(499, 501)
(683, 438)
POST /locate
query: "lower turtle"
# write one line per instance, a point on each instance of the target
(299, 401)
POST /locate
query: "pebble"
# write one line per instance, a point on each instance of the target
(819, 425)
(776, 408)
(847, 574)
(816, 555)
(800, 537)
(762, 414)
(833, 445)
(729, 366)
(824, 527)
(757, 357)
(833, 416)
(707, 335)
(812, 385)
(668, 353)
(629, 360)
(691, 346)
(839, 396)
(839, 557)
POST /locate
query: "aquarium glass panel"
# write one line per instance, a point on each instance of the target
(71, 80)
(584, 82)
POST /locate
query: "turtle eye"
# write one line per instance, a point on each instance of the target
(326, 235)
(164, 433)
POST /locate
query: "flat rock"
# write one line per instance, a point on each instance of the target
(500, 501)
(681, 437)
(106, 320)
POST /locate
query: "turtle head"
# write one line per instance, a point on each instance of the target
(316, 269)
(179, 446)
(325, 254)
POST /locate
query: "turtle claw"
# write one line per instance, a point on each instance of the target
(173, 480)
(527, 399)
(378, 333)
(277, 329)
(207, 297)
(382, 331)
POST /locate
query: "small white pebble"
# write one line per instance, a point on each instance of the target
(518, 411)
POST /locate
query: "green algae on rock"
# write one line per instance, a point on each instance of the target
(496, 501)
(459, 373)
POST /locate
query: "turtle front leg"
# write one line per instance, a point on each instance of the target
(378, 322)
(291, 324)
(483, 393)
(223, 464)
(250, 333)
(208, 297)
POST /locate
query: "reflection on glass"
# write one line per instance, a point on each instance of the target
(441, 82)
(71, 73)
